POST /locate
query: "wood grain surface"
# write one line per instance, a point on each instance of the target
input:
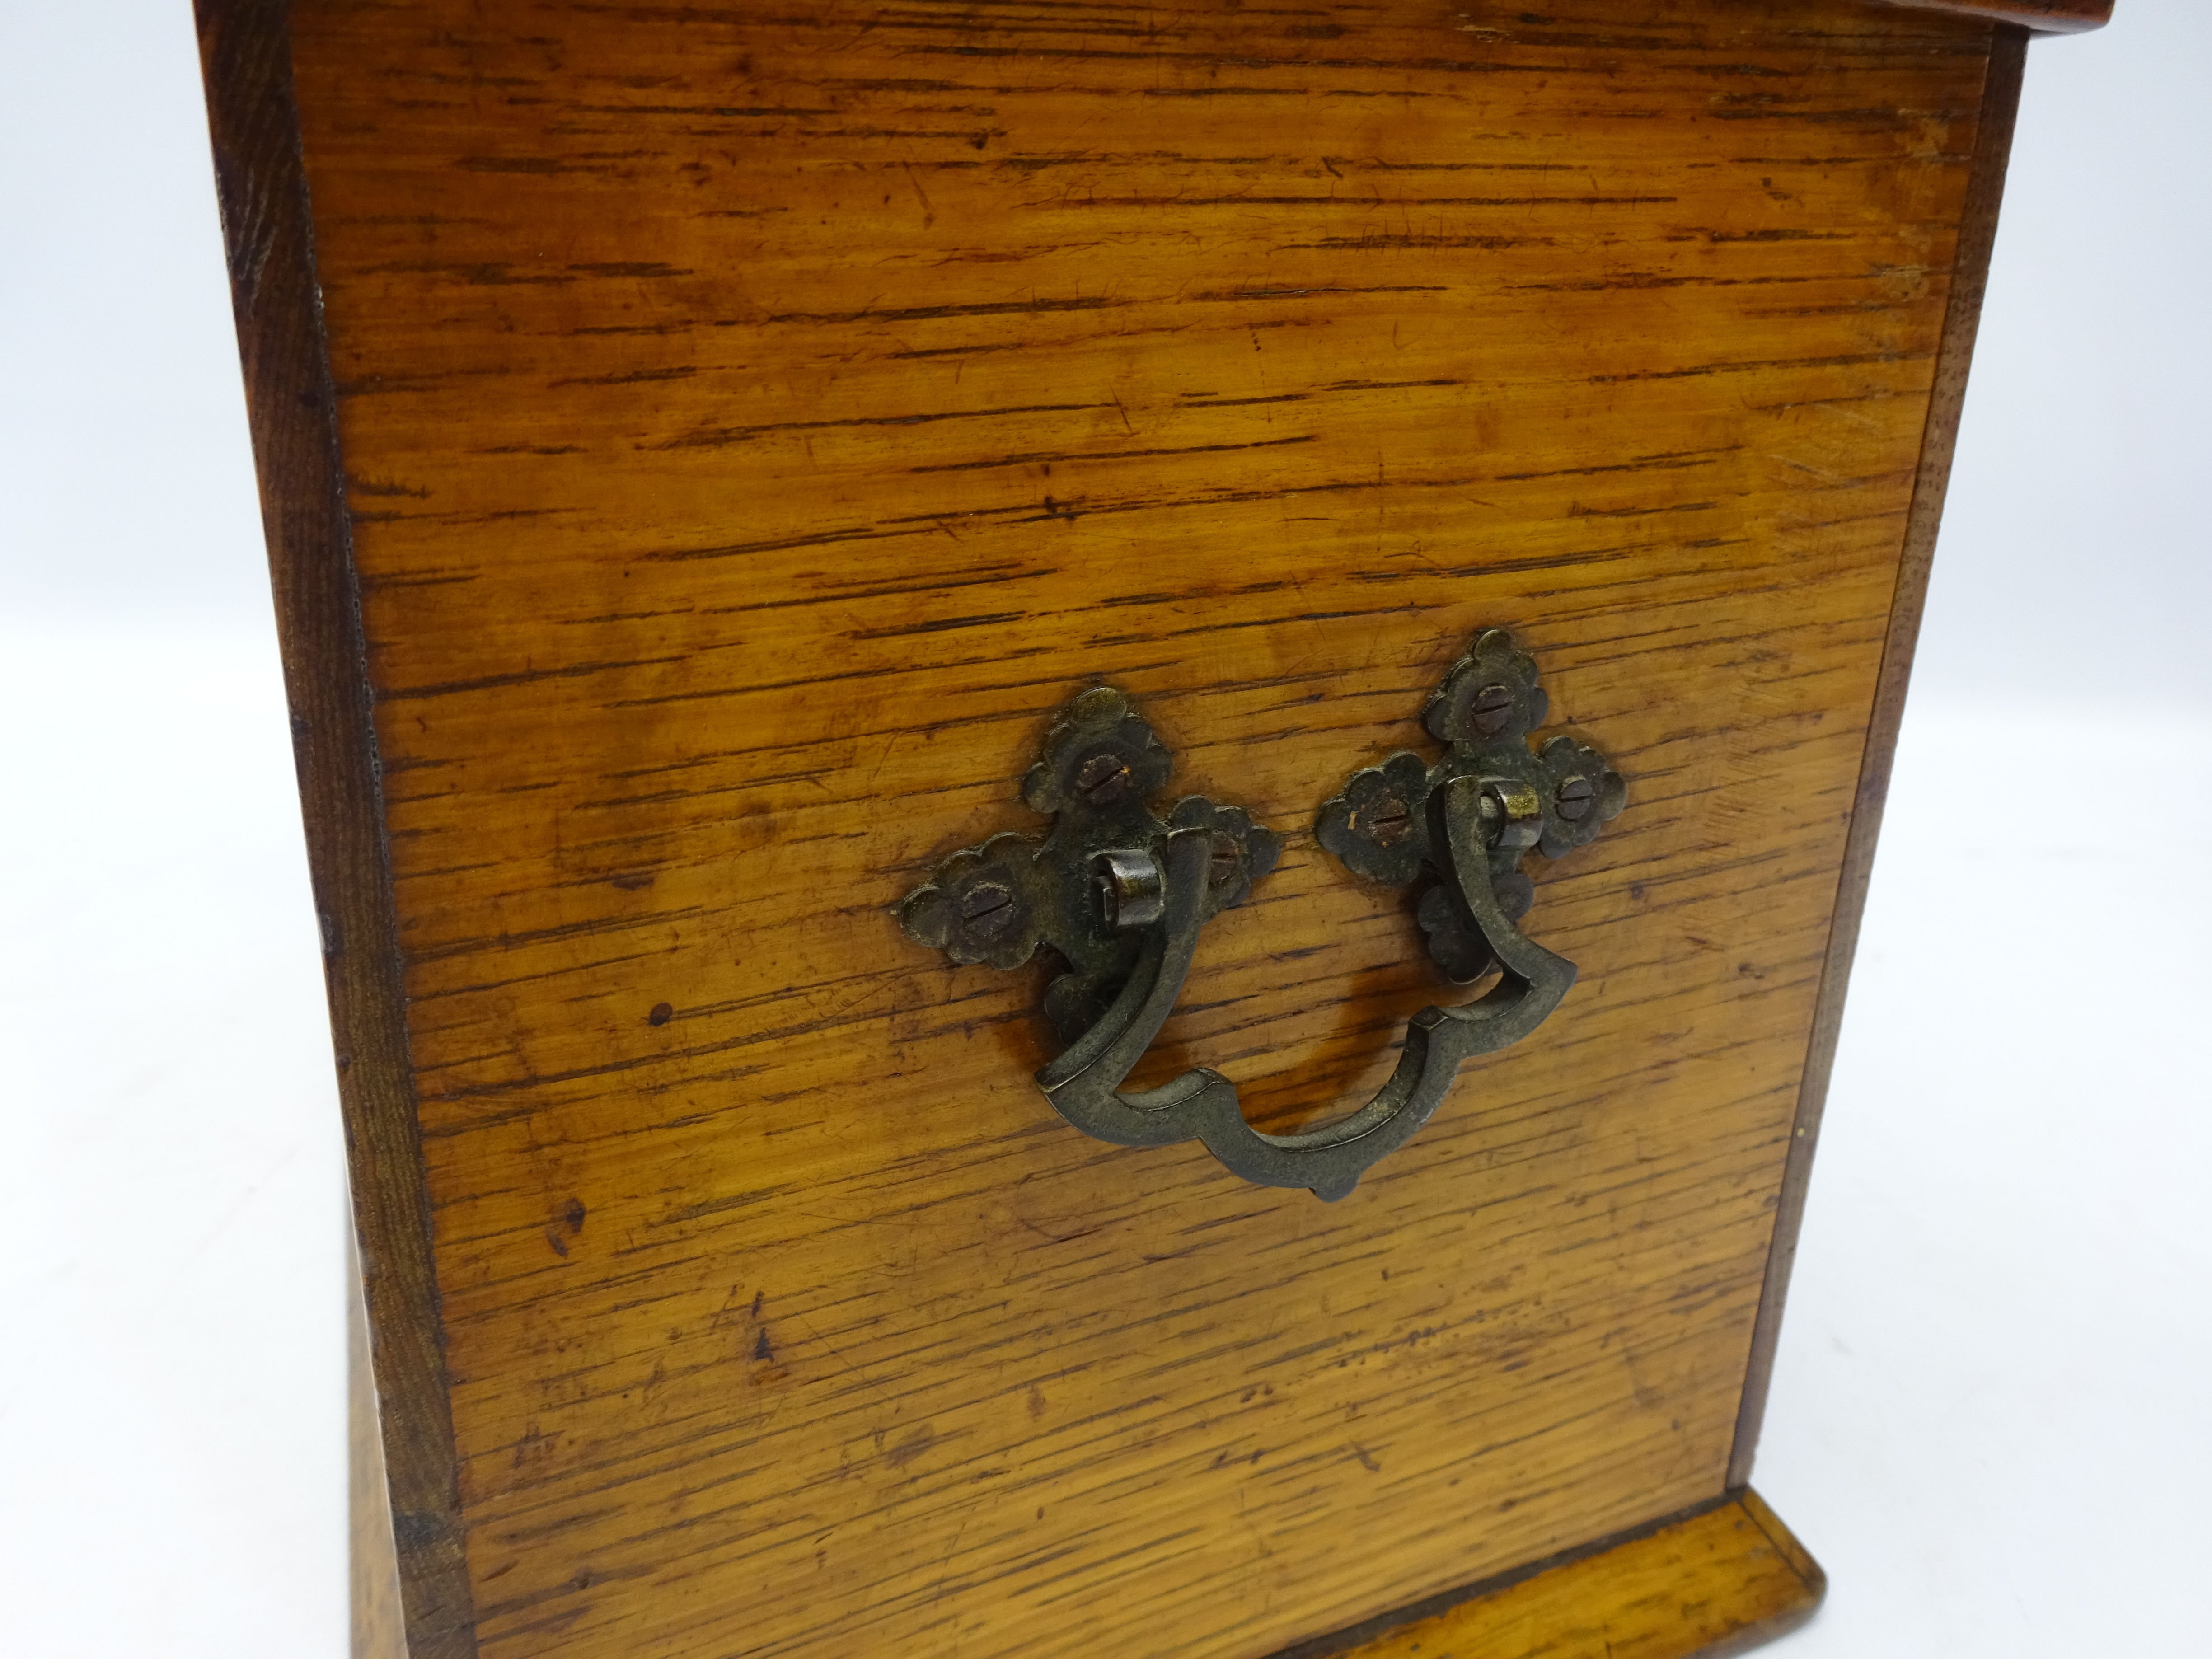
(269, 236)
(2052, 16)
(753, 428)
(1722, 1579)
(1947, 403)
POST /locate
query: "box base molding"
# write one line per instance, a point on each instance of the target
(1722, 1578)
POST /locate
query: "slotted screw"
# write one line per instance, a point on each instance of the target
(987, 909)
(1490, 709)
(1227, 859)
(1389, 822)
(1103, 779)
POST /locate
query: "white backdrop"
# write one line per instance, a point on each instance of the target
(1988, 1416)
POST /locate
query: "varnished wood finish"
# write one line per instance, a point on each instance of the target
(1720, 1580)
(2051, 16)
(753, 427)
(269, 235)
(1954, 359)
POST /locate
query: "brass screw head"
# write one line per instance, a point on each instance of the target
(1221, 869)
(988, 909)
(1389, 821)
(1103, 779)
(1491, 709)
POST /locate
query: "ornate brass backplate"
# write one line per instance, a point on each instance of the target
(1120, 895)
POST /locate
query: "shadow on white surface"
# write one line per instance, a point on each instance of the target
(1990, 1423)
(172, 1377)
(1987, 1419)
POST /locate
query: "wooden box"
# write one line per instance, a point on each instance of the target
(703, 447)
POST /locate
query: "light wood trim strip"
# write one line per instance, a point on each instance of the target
(1721, 1578)
(372, 1571)
(1954, 357)
(245, 59)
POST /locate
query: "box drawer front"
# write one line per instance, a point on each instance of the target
(756, 426)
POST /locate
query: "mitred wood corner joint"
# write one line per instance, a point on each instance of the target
(2046, 16)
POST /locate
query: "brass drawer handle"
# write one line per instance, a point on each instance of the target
(1122, 895)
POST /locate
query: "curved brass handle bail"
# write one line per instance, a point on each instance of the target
(1084, 1083)
(1118, 893)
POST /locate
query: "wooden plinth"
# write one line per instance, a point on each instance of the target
(1719, 1580)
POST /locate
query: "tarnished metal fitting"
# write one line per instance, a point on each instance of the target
(1132, 892)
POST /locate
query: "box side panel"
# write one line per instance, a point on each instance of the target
(1954, 357)
(269, 238)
